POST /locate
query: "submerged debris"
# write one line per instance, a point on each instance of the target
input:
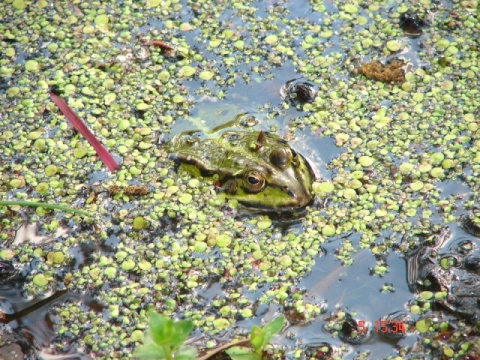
(158, 43)
(411, 24)
(321, 350)
(471, 224)
(166, 48)
(14, 345)
(453, 276)
(135, 190)
(298, 93)
(352, 333)
(66, 110)
(392, 72)
(7, 271)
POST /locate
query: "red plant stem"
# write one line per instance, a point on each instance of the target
(86, 133)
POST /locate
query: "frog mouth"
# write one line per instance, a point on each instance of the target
(273, 200)
(302, 200)
(285, 208)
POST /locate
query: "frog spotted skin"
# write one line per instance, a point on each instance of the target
(259, 169)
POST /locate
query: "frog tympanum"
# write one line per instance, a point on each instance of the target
(259, 169)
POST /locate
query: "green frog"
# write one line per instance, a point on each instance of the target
(258, 169)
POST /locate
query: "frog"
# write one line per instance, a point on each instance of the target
(257, 168)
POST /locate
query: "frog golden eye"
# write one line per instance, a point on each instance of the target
(254, 181)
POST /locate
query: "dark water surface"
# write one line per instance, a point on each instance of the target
(82, 287)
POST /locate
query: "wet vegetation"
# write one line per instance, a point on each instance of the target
(389, 73)
(381, 96)
(260, 337)
(165, 339)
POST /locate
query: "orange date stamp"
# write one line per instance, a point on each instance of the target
(383, 326)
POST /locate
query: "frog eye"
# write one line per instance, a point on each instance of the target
(254, 181)
(279, 157)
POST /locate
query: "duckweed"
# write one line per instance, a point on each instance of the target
(426, 295)
(221, 324)
(323, 187)
(80, 152)
(366, 161)
(405, 129)
(328, 230)
(223, 240)
(32, 65)
(50, 170)
(56, 257)
(139, 223)
(271, 39)
(265, 223)
(40, 280)
(186, 198)
(394, 45)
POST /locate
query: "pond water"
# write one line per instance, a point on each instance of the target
(398, 165)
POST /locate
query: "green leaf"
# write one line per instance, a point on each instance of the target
(273, 327)
(160, 328)
(260, 337)
(186, 353)
(181, 330)
(257, 338)
(167, 333)
(242, 353)
(150, 351)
